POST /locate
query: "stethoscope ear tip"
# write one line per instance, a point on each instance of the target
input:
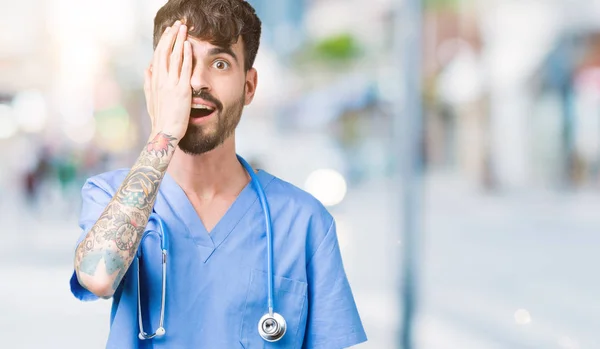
(160, 331)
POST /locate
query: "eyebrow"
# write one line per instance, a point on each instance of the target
(219, 50)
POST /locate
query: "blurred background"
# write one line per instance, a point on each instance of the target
(495, 221)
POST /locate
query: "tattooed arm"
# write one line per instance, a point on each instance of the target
(105, 254)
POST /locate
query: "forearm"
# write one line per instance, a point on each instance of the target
(105, 254)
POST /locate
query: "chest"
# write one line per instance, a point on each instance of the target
(225, 296)
(218, 283)
(211, 212)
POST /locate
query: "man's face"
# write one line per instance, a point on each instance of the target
(221, 87)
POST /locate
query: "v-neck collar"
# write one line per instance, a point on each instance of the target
(172, 196)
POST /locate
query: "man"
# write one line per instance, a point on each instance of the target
(189, 182)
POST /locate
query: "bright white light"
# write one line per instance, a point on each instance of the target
(81, 134)
(69, 18)
(522, 317)
(75, 105)
(521, 33)
(327, 185)
(30, 111)
(80, 61)
(74, 83)
(8, 125)
(462, 79)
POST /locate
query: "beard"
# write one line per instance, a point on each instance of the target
(199, 139)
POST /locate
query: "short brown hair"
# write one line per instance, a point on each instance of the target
(220, 22)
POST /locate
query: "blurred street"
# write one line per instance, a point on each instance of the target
(485, 282)
(499, 100)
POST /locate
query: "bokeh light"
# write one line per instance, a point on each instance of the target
(81, 133)
(30, 109)
(522, 317)
(327, 185)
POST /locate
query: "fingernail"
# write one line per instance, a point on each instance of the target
(177, 22)
(167, 29)
(182, 28)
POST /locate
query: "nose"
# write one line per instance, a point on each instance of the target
(200, 79)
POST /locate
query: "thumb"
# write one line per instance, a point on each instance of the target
(148, 91)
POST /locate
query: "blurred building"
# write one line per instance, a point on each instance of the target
(283, 23)
(72, 83)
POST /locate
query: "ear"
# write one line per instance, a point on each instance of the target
(251, 82)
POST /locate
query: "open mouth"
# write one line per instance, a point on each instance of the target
(201, 111)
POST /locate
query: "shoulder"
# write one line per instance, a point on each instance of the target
(304, 207)
(108, 181)
(296, 197)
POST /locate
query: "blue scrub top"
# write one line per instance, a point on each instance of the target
(217, 282)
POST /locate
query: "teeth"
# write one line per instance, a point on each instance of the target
(202, 106)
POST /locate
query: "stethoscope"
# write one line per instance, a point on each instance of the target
(271, 326)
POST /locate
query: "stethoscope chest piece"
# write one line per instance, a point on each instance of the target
(271, 327)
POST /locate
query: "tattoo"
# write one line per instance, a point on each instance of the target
(140, 187)
(160, 144)
(89, 264)
(113, 261)
(116, 236)
(127, 230)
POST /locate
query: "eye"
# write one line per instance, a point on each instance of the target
(221, 64)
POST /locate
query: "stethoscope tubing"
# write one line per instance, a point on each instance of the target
(164, 242)
(267, 213)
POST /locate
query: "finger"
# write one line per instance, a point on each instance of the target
(148, 90)
(177, 54)
(165, 48)
(155, 58)
(186, 66)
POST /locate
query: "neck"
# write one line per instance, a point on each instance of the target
(214, 173)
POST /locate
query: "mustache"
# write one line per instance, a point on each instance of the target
(207, 97)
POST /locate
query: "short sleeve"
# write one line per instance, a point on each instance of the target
(333, 319)
(94, 201)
